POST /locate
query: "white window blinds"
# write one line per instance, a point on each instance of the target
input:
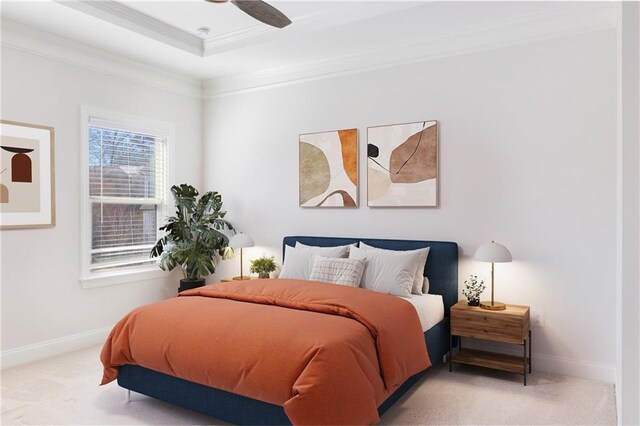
(127, 181)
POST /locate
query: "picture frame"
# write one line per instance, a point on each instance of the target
(27, 175)
(403, 165)
(328, 169)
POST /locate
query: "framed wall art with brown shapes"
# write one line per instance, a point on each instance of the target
(402, 165)
(27, 187)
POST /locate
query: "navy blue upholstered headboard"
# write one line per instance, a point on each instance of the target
(441, 267)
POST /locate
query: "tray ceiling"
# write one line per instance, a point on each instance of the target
(325, 35)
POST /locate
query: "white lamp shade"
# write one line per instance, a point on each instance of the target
(241, 241)
(492, 252)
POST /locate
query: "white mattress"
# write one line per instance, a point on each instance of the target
(430, 308)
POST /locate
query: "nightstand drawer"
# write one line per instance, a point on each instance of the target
(482, 324)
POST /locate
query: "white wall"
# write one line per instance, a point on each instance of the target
(42, 299)
(628, 268)
(527, 157)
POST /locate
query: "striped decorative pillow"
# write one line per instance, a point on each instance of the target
(338, 271)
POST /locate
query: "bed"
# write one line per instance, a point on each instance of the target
(441, 269)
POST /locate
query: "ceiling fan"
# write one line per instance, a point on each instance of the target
(261, 11)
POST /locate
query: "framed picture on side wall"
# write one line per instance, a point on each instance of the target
(328, 163)
(402, 165)
(27, 189)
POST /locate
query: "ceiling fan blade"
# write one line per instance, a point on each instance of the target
(263, 12)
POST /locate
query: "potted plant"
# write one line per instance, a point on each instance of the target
(193, 237)
(263, 266)
(473, 290)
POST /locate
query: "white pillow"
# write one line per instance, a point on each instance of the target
(387, 271)
(324, 251)
(420, 282)
(338, 271)
(298, 261)
(425, 286)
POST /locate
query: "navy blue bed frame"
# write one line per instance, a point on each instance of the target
(442, 271)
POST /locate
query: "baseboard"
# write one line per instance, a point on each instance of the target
(48, 348)
(575, 367)
(557, 364)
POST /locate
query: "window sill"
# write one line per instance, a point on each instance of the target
(123, 277)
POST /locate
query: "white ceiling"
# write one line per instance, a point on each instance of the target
(162, 33)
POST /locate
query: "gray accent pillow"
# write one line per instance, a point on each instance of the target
(338, 271)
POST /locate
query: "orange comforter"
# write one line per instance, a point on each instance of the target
(328, 354)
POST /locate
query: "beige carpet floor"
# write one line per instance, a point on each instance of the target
(64, 390)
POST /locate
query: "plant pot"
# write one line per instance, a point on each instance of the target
(263, 275)
(475, 302)
(189, 284)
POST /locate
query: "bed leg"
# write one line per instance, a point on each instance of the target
(127, 396)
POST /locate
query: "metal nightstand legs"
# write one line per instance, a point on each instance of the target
(524, 358)
(450, 351)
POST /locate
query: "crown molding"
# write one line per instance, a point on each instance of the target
(116, 13)
(123, 16)
(340, 14)
(569, 21)
(27, 39)
(227, 41)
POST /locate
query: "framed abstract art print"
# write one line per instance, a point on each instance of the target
(27, 190)
(328, 164)
(402, 165)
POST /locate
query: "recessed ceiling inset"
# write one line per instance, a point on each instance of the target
(261, 11)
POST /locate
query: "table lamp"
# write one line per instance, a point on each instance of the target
(240, 241)
(492, 252)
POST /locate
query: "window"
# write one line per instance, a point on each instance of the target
(125, 191)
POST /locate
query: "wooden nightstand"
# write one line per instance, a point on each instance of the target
(509, 326)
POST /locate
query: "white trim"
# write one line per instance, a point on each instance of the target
(569, 21)
(127, 123)
(577, 18)
(628, 214)
(90, 279)
(340, 14)
(146, 273)
(125, 17)
(136, 123)
(553, 364)
(574, 367)
(619, 227)
(37, 42)
(48, 348)
(131, 19)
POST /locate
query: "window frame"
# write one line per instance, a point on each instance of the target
(89, 279)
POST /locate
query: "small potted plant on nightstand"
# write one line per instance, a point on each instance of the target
(473, 290)
(263, 266)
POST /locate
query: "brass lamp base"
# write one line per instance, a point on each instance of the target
(495, 306)
(241, 278)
